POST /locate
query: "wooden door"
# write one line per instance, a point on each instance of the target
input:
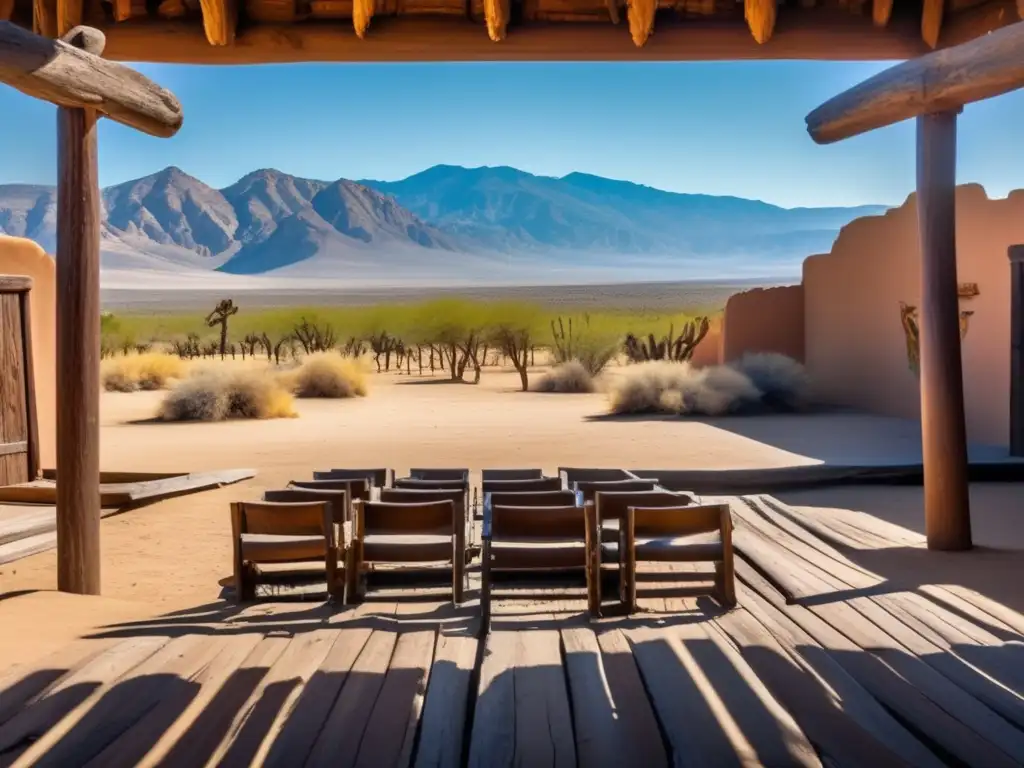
(19, 438)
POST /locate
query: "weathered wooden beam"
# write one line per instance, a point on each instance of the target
(640, 14)
(69, 15)
(819, 36)
(220, 20)
(985, 67)
(932, 12)
(362, 15)
(78, 340)
(613, 10)
(57, 72)
(881, 11)
(760, 16)
(496, 14)
(6, 9)
(44, 17)
(943, 428)
(1016, 253)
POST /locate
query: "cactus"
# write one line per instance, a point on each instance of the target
(671, 347)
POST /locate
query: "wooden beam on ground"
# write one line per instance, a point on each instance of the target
(78, 338)
(760, 16)
(931, 21)
(54, 71)
(943, 427)
(1016, 253)
(980, 69)
(220, 18)
(641, 19)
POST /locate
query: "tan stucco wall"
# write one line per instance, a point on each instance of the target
(764, 320)
(24, 257)
(855, 346)
(709, 351)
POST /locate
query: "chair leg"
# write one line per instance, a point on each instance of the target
(593, 564)
(725, 585)
(335, 585)
(485, 587)
(353, 567)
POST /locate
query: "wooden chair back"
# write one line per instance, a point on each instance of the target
(611, 505)
(439, 474)
(573, 475)
(284, 519)
(589, 487)
(390, 519)
(561, 498)
(511, 474)
(379, 477)
(652, 522)
(430, 485)
(340, 510)
(422, 495)
(564, 522)
(522, 486)
(358, 488)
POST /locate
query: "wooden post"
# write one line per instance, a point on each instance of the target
(943, 429)
(78, 347)
(1016, 350)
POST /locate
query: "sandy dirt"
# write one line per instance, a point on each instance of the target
(174, 554)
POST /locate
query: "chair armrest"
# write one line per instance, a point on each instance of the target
(726, 525)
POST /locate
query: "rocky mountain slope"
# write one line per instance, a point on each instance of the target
(446, 217)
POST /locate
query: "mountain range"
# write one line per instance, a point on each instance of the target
(446, 220)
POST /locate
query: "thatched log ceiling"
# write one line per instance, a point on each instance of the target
(254, 31)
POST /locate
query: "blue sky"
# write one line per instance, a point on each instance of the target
(731, 128)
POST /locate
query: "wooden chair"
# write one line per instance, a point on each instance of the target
(562, 498)
(511, 474)
(678, 534)
(458, 496)
(358, 488)
(341, 505)
(415, 483)
(587, 488)
(379, 477)
(533, 539)
(266, 532)
(572, 475)
(520, 486)
(386, 532)
(440, 474)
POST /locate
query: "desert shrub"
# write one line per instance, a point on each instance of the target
(569, 377)
(591, 347)
(679, 388)
(147, 371)
(217, 395)
(782, 381)
(329, 375)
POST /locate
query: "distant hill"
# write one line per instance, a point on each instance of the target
(458, 220)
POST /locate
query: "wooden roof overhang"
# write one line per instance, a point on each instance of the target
(268, 31)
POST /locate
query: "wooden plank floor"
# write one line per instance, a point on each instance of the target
(822, 663)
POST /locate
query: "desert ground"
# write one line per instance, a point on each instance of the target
(175, 554)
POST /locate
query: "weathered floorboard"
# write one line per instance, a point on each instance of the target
(445, 709)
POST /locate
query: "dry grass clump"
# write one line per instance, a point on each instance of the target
(755, 383)
(328, 374)
(148, 371)
(218, 395)
(569, 377)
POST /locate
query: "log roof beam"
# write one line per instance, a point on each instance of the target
(6, 9)
(881, 11)
(641, 19)
(54, 71)
(220, 20)
(760, 16)
(496, 14)
(362, 15)
(932, 12)
(941, 81)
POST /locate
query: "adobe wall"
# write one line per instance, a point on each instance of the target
(855, 345)
(764, 320)
(709, 351)
(24, 257)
